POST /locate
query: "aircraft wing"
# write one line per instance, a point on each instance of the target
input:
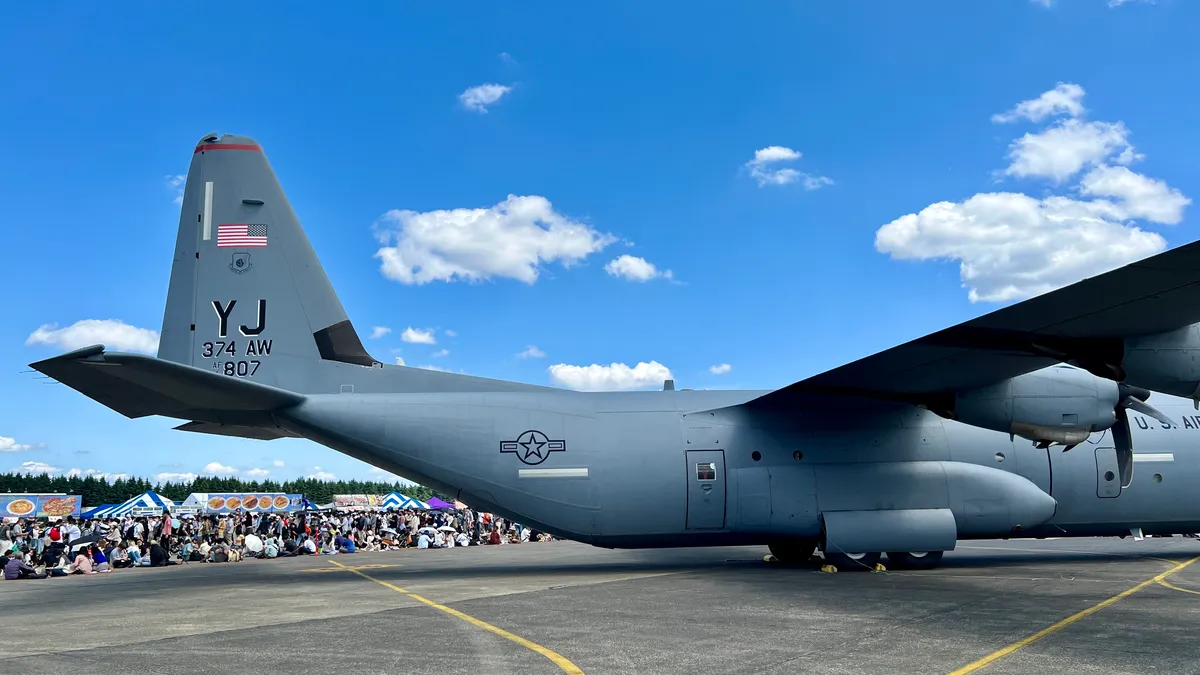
(1083, 324)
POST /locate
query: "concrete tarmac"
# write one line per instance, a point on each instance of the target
(719, 610)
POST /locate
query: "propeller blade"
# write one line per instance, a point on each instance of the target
(1127, 390)
(1144, 408)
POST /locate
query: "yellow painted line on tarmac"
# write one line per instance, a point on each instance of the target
(557, 659)
(1164, 582)
(999, 654)
(350, 568)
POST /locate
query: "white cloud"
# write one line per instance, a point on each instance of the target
(512, 239)
(1111, 3)
(1140, 196)
(379, 331)
(1061, 151)
(1012, 246)
(440, 353)
(418, 336)
(764, 170)
(720, 369)
(1064, 98)
(11, 445)
(215, 468)
(320, 474)
(258, 473)
(384, 475)
(634, 268)
(400, 361)
(451, 333)
(531, 352)
(36, 468)
(169, 477)
(480, 97)
(614, 377)
(176, 183)
(112, 333)
(278, 464)
(93, 473)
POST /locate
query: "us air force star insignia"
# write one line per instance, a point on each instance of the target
(240, 263)
(533, 447)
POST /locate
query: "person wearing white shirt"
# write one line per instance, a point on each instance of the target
(423, 541)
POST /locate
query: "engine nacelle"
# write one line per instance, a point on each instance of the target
(1058, 404)
(1167, 362)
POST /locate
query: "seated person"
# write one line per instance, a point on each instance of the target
(347, 545)
(100, 561)
(83, 562)
(16, 568)
(120, 556)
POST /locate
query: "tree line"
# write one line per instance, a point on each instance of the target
(96, 491)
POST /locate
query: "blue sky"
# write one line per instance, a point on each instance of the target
(880, 129)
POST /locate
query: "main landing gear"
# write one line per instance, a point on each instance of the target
(800, 551)
(914, 560)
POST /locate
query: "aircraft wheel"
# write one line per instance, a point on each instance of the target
(793, 551)
(853, 562)
(915, 560)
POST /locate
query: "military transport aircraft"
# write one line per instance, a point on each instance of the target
(1014, 424)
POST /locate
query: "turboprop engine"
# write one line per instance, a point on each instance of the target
(1058, 405)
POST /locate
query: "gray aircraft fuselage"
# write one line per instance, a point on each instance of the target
(619, 469)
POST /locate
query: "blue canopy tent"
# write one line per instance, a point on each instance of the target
(146, 502)
(91, 513)
(397, 500)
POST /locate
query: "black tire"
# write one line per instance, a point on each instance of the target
(853, 562)
(907, 560)
(793, 551)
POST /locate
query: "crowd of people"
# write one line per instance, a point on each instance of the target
(37, 549)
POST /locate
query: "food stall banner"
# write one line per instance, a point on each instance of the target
(39, 505)
(230, 502)
(357, 502)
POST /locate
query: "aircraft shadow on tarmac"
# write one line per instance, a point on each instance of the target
(404, 570)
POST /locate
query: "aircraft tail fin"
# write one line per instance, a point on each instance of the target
(138, 386)
(248, 297)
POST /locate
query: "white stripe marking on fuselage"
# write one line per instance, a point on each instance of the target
(1154, 457)
(208, 190)
(553, 473)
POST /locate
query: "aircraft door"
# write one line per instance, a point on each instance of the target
(706, 489)
(1108, 473)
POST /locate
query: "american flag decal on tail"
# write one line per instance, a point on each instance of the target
(243, 235)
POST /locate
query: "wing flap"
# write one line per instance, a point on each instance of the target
(236, 430)
(138, 386)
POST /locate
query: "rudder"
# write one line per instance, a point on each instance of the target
(248, 297)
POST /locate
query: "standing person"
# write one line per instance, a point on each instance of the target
(71, 532)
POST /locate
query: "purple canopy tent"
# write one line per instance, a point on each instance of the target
(437, 504)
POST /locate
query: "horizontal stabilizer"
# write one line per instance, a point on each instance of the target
(237, 430)
(138, 386)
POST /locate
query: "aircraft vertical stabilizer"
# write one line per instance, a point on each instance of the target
(248, 296)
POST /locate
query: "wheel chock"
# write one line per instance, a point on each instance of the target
(828, 568)
(770, 558)
(879, 568)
